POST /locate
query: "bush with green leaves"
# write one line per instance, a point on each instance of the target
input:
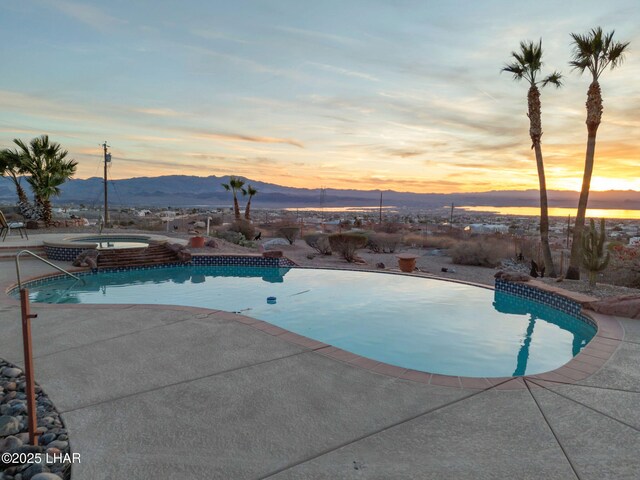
(289, 232)
(384, 242)
(319, 242)
(244, 227)
(346, 244)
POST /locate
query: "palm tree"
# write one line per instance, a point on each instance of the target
(48, 168)
(594, 51)
(234, 185)
(251, 192)
(11, 166)
(526, 65)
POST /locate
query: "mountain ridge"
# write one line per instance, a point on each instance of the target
(189, 190)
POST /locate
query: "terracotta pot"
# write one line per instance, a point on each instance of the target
(197, 242)
(406, 262)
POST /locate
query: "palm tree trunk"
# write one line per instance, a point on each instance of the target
(535, 132)
(544, 216)
(22, 196)
(247, 211)
(594, 115)
(46, 210)
(236, 207)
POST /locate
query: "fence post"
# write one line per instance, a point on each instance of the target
(28, 365)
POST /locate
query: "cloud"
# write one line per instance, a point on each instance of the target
(87, 14)
(234, 137)
(344, 71)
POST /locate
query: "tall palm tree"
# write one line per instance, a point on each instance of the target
(526, 66)
(48, 168)
(593, 51)
(251, 192)
(234, 185)
(11, 166)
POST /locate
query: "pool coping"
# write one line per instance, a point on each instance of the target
(589, 360)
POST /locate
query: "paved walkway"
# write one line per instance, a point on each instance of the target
(168, 392)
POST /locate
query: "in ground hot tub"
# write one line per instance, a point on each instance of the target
(68, 249)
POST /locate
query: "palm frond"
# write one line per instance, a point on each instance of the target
(554, 78)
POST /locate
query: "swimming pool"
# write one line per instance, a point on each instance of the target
(412, 322)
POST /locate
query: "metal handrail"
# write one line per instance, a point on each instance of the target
(43, 260)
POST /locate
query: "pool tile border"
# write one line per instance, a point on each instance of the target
(592, 357)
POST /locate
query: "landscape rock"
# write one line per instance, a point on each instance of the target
(9, 443)
(11, 372)
(512, 276)
(46, 476)
(274, 243)
(34, 470)
(627, 306)
(88, 258)
(9, 425)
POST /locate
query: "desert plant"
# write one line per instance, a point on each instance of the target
(289, 232)
(48, 168)
(429, 241)
(346, 244)
(384, 242)
(215, 221)
(251, 192)
(593, 254)
(478, 253)
(233, 186)
(11, 166)
(594, 51)
(244, 227)
(319, 242)
(527, 65)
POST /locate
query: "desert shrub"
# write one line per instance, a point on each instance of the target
(319, 242)
(388, 227)
(478, 253)
(289, 232)
(346, 244)
(384, 242)
(624, 267)
(244, 227)
(429, 241)
(217, 220)
(231, 236)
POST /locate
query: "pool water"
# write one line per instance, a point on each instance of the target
(111, 243)
(418, 323)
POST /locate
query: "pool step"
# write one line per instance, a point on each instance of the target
(126, 257)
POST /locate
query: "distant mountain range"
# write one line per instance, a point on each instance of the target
(184, 191)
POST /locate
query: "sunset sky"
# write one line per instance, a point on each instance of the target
(367, 94)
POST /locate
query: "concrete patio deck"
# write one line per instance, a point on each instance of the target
(170, 392)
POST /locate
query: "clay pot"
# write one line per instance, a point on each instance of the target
(197, 242)
(407, 262)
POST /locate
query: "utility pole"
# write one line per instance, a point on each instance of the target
(380, 219)
(568, 228)
(107, 159)
(451, 219)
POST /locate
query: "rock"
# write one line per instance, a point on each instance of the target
(46, 476)
(87, 257)
(53, 451)
(47, 438)
(380, 265)
(29, 449)
(11, 386)
(11, 372)
(627, 306)
(199, 225)
(34, 470)
(9, 425)
(274, 243)
(512, 276)
(58, 444)
(9, 443)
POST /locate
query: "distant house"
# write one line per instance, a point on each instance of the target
(633, 241)
(143, 213)
(486, 228)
